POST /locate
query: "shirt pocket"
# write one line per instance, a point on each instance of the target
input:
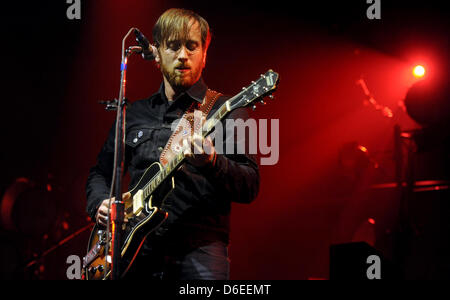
(141, 145)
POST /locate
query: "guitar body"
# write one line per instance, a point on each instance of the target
(147, 219)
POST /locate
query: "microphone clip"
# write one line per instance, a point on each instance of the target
(112, 104)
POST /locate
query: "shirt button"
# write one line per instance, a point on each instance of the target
(135, 140)
(140, 134)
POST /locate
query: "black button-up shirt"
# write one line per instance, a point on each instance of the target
(200, 204)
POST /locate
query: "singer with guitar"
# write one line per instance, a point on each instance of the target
(192, 240)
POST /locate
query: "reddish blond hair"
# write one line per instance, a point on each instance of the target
(176, 23)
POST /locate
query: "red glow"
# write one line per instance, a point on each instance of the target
(418, 71)
(371, 221)
(49, 187)
(362, 148)
(65, 225)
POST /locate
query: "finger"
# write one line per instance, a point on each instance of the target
(198, 139)
(198, 149)
(103, 210)
(203, 119)
(208, 141)
(189, 140)
(208, 147)
(101, 220)
(126, 196)
(197, 144)
(187, 148)
(106, 202)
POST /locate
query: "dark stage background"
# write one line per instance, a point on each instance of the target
(56, 70)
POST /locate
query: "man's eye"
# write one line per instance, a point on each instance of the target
(191, 46)
(174, 46)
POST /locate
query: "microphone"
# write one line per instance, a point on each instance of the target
(148, 50)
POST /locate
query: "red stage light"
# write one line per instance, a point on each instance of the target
(362, 148)
(418, 71)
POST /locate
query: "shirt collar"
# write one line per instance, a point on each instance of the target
(196, 92)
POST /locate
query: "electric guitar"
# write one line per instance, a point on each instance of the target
(143, 208)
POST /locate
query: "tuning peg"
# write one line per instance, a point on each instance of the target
(254, 107)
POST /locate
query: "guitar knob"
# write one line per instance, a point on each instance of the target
(271, 97)
(100, 268)
(262, 102)
(254, 107)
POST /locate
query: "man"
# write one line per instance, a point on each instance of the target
(192, 243)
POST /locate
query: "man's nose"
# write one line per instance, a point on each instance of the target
(183, 54)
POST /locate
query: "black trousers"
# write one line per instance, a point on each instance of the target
(204, 261)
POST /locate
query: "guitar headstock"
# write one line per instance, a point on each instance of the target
(257, 90)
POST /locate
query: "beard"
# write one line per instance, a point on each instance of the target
(178, 80)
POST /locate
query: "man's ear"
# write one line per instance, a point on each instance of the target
(156, 52)
(204, 59)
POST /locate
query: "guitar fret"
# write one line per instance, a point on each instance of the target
(222, 111)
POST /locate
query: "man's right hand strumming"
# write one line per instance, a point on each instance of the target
(101, 217)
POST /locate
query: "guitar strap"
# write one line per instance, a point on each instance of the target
(175, 142)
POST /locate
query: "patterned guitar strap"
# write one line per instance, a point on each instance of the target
(175, 143)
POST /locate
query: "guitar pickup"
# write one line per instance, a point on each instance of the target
(138, 203)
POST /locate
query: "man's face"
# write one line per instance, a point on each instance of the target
(182, 62)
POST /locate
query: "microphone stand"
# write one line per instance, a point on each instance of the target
(117, 207)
